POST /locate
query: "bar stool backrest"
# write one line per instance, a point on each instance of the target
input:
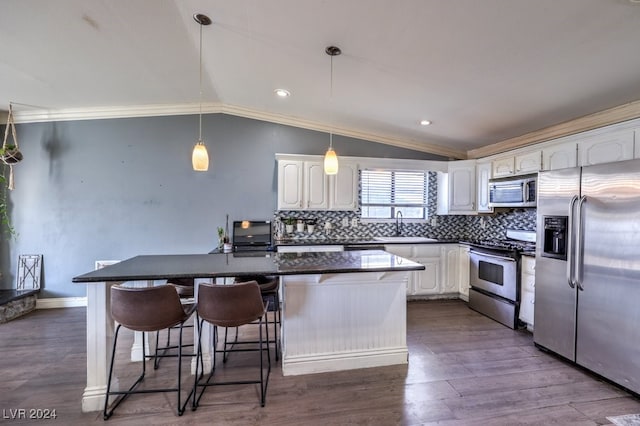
(146, 308)
(230, 305)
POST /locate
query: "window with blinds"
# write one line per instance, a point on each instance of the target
(386, 192)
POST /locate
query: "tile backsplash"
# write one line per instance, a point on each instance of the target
(446, 227)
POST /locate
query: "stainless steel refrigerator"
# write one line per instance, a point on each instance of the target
(587, 287)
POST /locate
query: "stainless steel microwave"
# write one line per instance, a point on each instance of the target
(519, 191)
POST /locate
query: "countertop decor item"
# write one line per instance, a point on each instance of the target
(200, 156)
(288, 224)
(220, 237)
(311, 224)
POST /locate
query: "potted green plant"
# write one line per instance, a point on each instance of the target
(311, 223)
(288, 224)
(5, 220)
(10, 154)
(221, 240)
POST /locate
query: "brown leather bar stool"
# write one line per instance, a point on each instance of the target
(185, 289)
(146, 309)
(232, 305)
(270, 291)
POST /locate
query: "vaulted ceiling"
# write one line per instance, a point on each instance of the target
(482, 71)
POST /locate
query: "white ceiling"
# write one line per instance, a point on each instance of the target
(482, 70)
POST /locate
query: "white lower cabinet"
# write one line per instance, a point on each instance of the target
(527, 290)
(463, 270)
(427, 281)
(441, 275)
(450, 254)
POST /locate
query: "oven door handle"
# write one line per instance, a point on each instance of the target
(493, 256)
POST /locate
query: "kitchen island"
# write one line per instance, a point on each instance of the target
(341, 310)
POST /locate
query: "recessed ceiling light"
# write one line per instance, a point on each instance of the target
(282, 93)
(425, 122)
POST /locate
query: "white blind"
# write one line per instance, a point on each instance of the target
(394, 190)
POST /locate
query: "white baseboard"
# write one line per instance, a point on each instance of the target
(293, 366)
(61, 302)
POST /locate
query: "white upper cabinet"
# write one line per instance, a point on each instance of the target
(606, 148)
(316, 188)
(303, 185)
(483, 174)
(529, 162)
(290, 185)
(462, 187)
(344, 187)
(560, 156)
(503, 167)
(519, 164)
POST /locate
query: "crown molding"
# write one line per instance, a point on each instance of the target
(588, 122)
(97, 113)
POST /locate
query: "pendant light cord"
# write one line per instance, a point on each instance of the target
(331, 102)
(200, 82)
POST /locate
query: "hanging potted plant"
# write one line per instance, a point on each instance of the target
(10, 152)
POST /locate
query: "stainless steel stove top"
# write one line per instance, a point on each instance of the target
(516, 242)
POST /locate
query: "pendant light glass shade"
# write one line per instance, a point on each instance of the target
(200, 157)
(330, 162)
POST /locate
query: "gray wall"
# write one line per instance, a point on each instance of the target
(111, 189)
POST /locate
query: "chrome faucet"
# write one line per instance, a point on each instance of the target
(399, 223)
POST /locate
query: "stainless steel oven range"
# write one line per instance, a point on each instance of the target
(494, 275)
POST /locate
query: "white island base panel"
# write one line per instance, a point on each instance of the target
(335, 322)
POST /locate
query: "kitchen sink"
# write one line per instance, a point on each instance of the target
(405, 239)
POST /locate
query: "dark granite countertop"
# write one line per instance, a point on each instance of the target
(157, 267)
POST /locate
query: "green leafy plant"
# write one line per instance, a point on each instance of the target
(5, 220)
(10, 154)
(290, 221)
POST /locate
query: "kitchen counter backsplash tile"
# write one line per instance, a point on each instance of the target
(448, 227)
(495, 226)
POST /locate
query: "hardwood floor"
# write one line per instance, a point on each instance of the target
(464, 369)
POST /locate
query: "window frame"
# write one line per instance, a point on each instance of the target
(394, 207)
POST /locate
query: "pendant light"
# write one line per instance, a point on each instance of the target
(330, 158)
(200, 156)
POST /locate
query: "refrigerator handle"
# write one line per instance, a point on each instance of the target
(572, 244)
(580, 244)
